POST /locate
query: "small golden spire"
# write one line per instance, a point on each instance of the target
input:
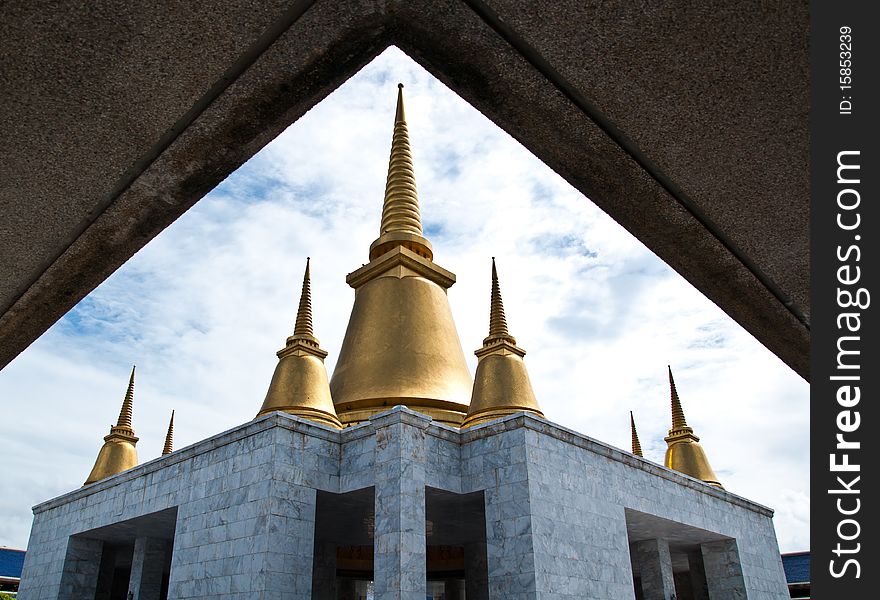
(497, 320)
(303, 329)
(299, 385)
(636, 446)
(684, 453)
(125, 412)
(118, 452)
(501, 383)
(678, 420)
(401, 219)
(169, 437)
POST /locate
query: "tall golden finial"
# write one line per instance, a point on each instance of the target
(118, 452)
(684, 453)
(169, 437)
(299, 385)
(636, 446)
(501, 383)
(401, 220)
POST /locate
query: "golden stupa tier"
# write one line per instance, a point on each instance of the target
(501, 383)
(118, 453)
(401, 345)
(299, 385)
(684, 453)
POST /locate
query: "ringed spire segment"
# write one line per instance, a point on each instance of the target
(168, 448)
(304, 328)
(636, 446)
(497, 320)
(401, 218)
(125, 413)
(678, 420)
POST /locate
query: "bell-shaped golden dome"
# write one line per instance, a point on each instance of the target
(118, 453)
(501, 384)
(683, 452)
(299, 385)
(401, 345)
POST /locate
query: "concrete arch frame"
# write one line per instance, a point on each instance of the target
(688, 126)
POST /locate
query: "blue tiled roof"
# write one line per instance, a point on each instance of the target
(11, 562)
(797, 567)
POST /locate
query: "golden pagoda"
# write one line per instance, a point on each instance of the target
(684, 453)
(299, 385)
(168, 448)
(636, 446)
(401, 345)
(501, 384)
(118, 453)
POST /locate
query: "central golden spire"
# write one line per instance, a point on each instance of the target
(401, 219)
(118, 452)
(683, 452)
(401, 345)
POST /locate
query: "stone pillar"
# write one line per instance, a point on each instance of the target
(147, 564)
(476, 573)
(453, 589)
(698, 575)
(347, 589)
(105, 573)
(724, 576)
(655, 568)
(400, 554)
(290, 530)
(82, 562)
(510, 544)
(324, 572)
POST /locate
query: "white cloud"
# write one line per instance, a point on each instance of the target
(202, 309)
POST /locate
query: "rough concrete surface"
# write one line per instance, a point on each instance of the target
(686, 123)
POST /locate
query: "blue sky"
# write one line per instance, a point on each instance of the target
(202, 309)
